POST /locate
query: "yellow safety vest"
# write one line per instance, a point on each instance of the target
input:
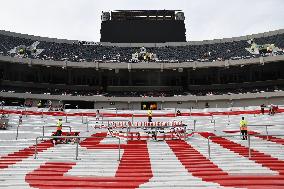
(59, 125)
(150, 113)
(243, 125)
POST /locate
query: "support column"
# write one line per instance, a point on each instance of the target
(159, 78)
(130, 78)
(100, 78)
(69, 76)
(250, 75)
(218, 80)
(39, 76)
(51, 75)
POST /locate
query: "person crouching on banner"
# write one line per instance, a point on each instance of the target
(149, 115)
(244, 128)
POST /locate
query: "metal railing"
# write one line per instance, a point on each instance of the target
(19, 123)
(77, 143)
(266, 130)
(111, 109)
(43, 128)
(186, 133)
(248, 139)
(214, 124)
(211, 121)
(194, 124)
(17, 133)
(82, 116)
(89, 121)
(157, 128)
(108, 121)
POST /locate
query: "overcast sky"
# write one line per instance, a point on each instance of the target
(80, 19)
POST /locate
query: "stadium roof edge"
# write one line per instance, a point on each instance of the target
(39, 38)
(224, 40)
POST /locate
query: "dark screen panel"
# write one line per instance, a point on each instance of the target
(143, 31)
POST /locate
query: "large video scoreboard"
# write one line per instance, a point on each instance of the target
(143, 26)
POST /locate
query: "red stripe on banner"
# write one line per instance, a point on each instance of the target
(201, 167)
(134, 169)
(269, 138)
(20, 155)
(261, 158)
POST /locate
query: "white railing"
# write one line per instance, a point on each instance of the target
(77, 143)
(248, 139)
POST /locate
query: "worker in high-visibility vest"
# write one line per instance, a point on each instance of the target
(58, 131)
(59, 127)
(244, 128)
(149, 115)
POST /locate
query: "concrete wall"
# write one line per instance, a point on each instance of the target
(150, 65)
(220, 101)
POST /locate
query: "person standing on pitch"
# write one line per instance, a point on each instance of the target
(244, 128)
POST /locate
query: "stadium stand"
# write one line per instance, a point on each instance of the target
(171, 93)
(144, 163)
(97, 52)
(60, 69)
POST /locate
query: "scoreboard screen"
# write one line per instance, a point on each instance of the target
(145, 27)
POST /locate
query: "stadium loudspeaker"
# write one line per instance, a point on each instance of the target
(180, 16)
(30, 63)
(162, 67)
(261, 60)
(129, 67)
(194, 66)
(116, 71)
(105, 16)
(227, 64)
(180, 69)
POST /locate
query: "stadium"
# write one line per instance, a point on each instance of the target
(142, 108)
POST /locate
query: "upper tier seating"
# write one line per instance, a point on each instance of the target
(78, 52)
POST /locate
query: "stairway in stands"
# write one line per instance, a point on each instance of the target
(144, 164)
